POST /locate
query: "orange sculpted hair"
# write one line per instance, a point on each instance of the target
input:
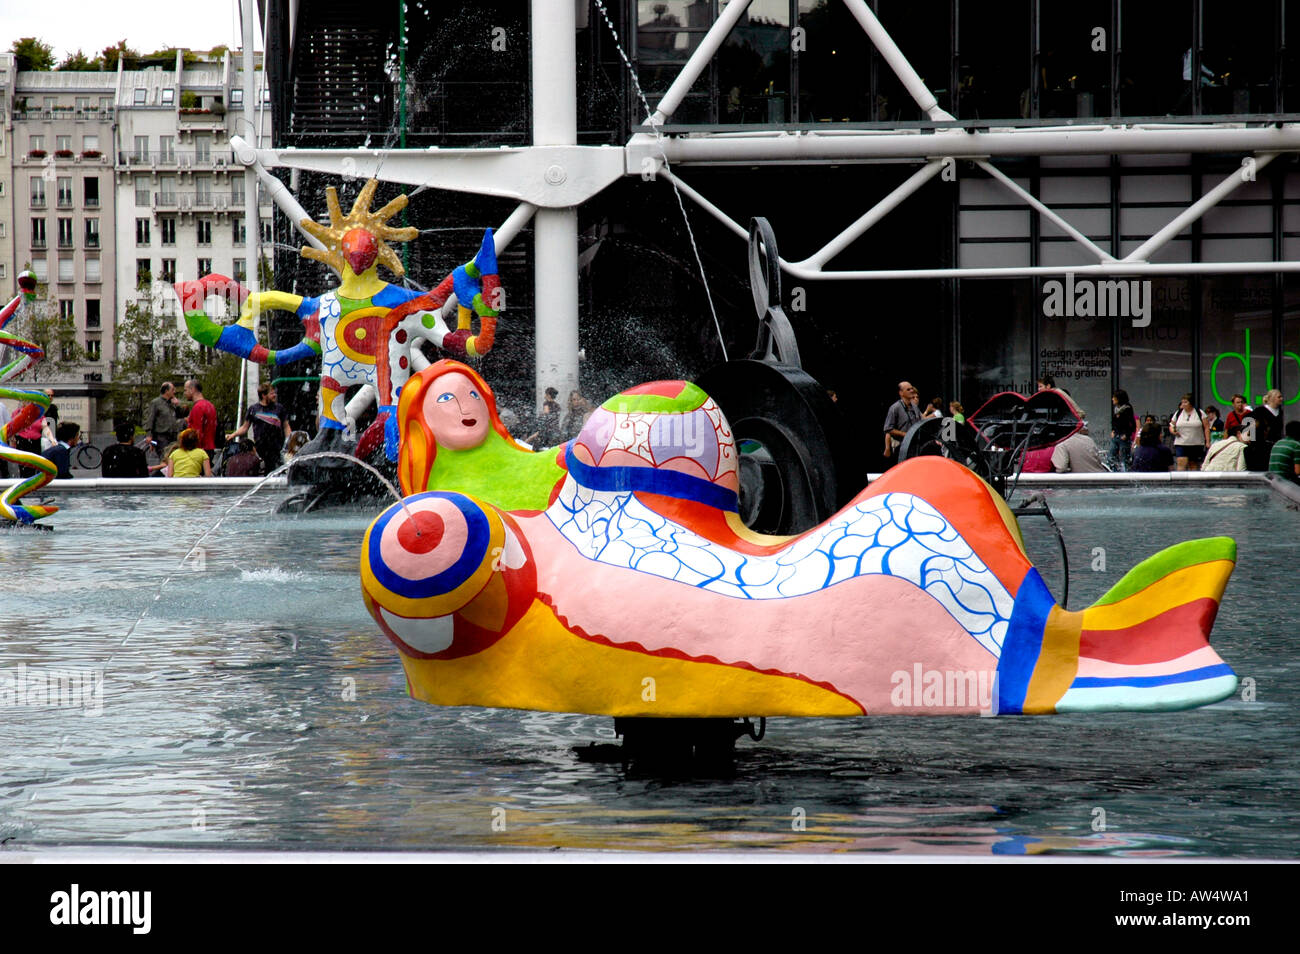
(419, 447)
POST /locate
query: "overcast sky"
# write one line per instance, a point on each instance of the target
(146, 25)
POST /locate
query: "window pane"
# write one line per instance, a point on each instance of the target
(1236, 338)
(1076, 352)
(1239, 53)
(995, 353)
(1155, 362)
(994, 65)
(920, 28)
(1157, 38)
(1074, 58)
(65, 269)
(1290, 371)
(754, 65)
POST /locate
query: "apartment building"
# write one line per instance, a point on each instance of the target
(7, 78)
(115, 184)
(180, 194)
(60, 148)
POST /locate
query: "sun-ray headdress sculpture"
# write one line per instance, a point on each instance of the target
(366, 331)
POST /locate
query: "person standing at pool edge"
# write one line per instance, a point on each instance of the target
(902, 414)
(270, 427)
(1264, 425)
(1191, 430)
(203, 417)
(160, 417)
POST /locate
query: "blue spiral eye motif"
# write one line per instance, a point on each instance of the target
(445, 396)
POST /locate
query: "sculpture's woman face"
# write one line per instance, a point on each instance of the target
(456, 412)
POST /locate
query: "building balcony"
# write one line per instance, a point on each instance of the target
(165, 200)
(38, 202)
(66, 245)
(92, 241)
(92, 203)
(65, 202)
(38, 244)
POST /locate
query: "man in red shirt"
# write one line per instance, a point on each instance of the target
(203, 417)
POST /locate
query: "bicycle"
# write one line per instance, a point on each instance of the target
(87, 457)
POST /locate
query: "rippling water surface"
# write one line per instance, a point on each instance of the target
(256, 705)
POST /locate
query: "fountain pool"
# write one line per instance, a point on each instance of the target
(255, 705)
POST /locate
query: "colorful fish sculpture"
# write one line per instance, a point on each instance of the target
(637, 591)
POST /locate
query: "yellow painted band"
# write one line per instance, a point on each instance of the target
(1058, 662)
(1181, 586)
(749, 536)
(259, 302)
(540, 665)
(341, 340)
(443, 604)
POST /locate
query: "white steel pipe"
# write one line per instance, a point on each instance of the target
(252, 223)
(1127, 269)
(910, 79)
(246, 155)
(555, 231)
(1199, 208)
(501, 239)
(1109, 268)
(555, 273)
(873, 215)
(1118, 140)
(698, 61)
(555, 94)
(1047, 213)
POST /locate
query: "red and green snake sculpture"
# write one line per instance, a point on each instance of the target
(17, 355)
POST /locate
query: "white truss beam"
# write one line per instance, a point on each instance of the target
(888, 49)
(1031, 200)
(1199, 208)
(698, 60)
(786, 147)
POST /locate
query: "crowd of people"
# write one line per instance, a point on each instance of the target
(1247, 438)
(183, 435)
(180, 430)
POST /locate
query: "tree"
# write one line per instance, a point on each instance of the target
(32, 54)
(166, 57)
(39, 322)
(151, 348)
(78, 62)
(120, 51)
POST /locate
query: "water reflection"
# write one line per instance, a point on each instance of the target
(255, 705)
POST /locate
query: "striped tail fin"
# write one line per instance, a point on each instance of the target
(1143, 647)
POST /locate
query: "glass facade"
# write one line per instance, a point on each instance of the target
(807, 63)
